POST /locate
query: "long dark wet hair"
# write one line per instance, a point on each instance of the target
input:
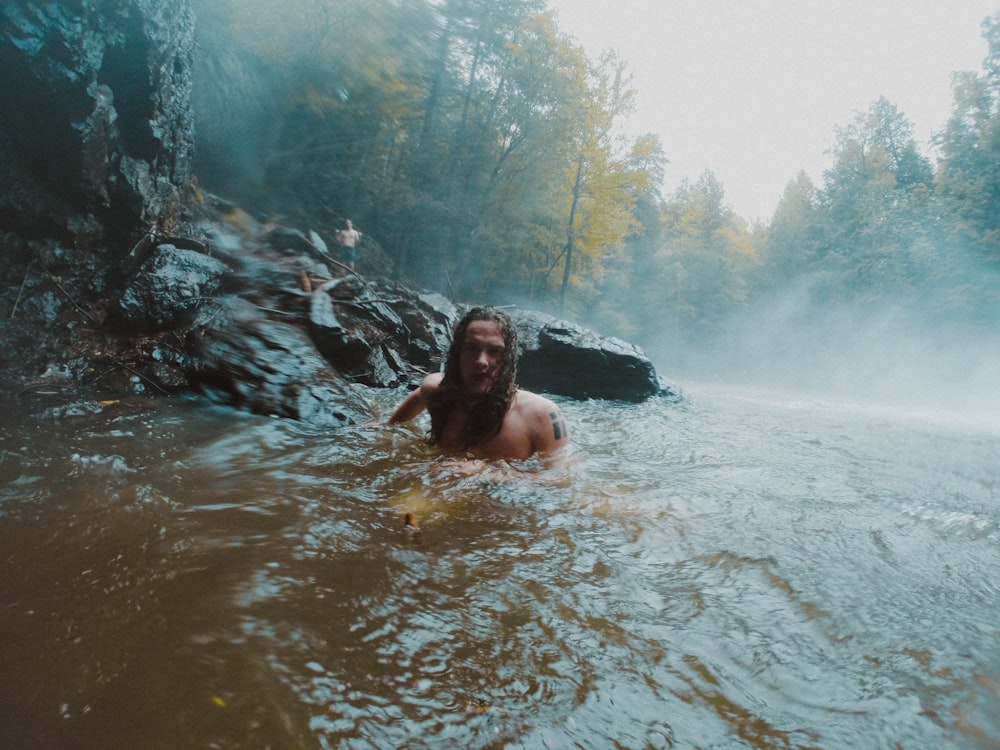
(486, 412)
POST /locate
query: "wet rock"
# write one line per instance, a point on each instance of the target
(562, 358)
(357, 331)
(429, 319)
(319, 244)
(243, 358)
(103, 125)
(96, 142)
(286, 240)
(168, 289)
(350, 347)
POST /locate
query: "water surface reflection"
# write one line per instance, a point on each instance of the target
(726, 572)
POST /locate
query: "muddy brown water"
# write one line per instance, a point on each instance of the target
(738, 570)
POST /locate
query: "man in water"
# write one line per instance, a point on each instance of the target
(475, 404)
(348, 239)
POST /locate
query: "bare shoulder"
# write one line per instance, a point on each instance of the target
(431, 383)
(428, 386)
(532, 403)
(548, 427)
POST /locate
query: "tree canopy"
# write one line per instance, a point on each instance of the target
(483, 154)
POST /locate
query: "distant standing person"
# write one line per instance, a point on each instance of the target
(349, 238)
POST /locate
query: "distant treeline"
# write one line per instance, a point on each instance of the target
(480, 151)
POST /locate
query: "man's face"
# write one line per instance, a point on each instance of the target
(481, 356)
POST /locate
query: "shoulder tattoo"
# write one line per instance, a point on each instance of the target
(558, 425)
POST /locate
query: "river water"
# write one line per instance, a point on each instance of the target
(741, 569)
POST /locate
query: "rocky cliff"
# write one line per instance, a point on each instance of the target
(118, 273)
(96, 140)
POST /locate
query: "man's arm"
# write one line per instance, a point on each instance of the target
(415, 403)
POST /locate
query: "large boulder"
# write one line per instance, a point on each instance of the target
(378, 332)
(563, 358)
(240, 356)
(429, 319)
(352, 326)
(168, 289)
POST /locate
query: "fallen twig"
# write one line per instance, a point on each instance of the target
(62, 289)
(36, 386)
(123, 366)
(21, 290)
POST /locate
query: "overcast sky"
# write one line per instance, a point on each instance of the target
(752, 89)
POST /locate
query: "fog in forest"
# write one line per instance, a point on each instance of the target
(330, 116)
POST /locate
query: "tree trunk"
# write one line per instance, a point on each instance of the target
(570, 236)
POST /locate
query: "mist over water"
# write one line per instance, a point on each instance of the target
(739, 570)
(904, 354)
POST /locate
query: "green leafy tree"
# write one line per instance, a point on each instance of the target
(875, 198)
(607, 178)
(969, 169)
(475, 141)
(794, 237)
(706, 254)
(517, 141)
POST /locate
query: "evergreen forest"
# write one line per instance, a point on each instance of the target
(482, 153)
